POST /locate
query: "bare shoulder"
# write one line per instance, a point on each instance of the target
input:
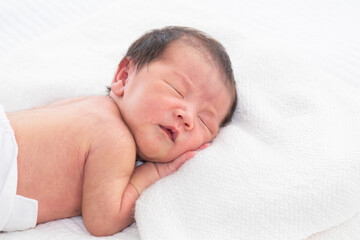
(108, 167)
(110, 137)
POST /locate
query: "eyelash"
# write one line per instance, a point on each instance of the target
(204, 124)
(175, 90)
(178, 92)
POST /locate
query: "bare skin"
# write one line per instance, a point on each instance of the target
(51, 163)
(57, 167)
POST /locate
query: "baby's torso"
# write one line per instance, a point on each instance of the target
(54, 142)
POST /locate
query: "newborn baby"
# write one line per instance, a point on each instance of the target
(170, 95)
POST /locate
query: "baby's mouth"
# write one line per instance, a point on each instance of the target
(170, 131)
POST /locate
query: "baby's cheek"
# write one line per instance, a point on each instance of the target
(197, 141)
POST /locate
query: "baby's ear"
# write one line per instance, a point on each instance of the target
(122, 76)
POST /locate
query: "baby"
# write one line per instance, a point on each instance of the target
(170, 95)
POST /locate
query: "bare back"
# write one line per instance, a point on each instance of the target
(54, 143)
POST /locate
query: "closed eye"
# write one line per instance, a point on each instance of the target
(175, 90)
(203, 122)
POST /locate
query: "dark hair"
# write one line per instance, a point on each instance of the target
(152, 45)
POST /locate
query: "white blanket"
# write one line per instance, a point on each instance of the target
(287, 167)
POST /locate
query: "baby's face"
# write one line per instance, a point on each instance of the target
(175, 104)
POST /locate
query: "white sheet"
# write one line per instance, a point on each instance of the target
(80, 60)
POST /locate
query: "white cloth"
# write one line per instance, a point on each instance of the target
(287, 167)
(16, 212)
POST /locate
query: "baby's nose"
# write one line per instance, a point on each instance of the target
(186, 117)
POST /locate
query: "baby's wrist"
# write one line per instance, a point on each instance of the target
(135, 188)
(143, 176)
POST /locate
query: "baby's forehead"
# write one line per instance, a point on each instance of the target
(194, 43)
(176, 47)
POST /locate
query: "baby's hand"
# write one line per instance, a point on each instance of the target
(150, 172)
(165, 169)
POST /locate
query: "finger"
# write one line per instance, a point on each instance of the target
(174, 165)
(181, 159)
(203, 147)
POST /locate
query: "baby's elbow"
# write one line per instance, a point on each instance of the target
(95, 228)
(97, 231)
(100, 227)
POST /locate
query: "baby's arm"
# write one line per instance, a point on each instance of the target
(149, 172)
(107, 200)
(111, 187)
(108, 206)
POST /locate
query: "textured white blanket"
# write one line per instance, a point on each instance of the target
(286, 168)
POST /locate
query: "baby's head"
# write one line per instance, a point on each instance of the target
(174, 88)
